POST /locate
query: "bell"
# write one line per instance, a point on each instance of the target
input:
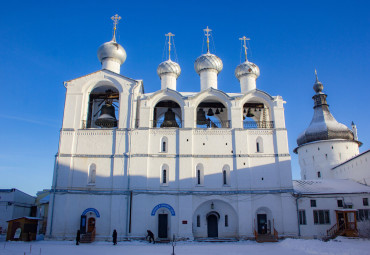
(249, 114)
(210, 112)
(201, 117)
(169, 119)
(217, 111)
(222, 110)
(107, 118)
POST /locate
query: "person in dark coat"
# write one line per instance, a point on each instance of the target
(151, 236)
(78, 237)
(114, 237)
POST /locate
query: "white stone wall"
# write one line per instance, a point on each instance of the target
(322, 156)
(357, 169)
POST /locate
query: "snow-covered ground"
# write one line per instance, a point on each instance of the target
(285, 247)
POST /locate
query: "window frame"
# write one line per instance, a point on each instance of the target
(321, 217)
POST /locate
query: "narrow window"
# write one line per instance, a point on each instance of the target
(313, 203)
(92, 174)
(224, 177)
(302, 217)
(258, 146)
(226, 220)
(198, 177)
(365, 201)
(340, 203)
(198, 221)
(318, 174)
(164, 176)
(163, 144)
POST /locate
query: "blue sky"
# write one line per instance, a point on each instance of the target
(44, 43)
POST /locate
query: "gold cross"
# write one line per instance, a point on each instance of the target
(245, 39)
(169, 44)
(206, 33)
(115, 19)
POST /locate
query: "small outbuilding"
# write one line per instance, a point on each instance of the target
(22, 229)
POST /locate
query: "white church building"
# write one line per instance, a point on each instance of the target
(203, 164)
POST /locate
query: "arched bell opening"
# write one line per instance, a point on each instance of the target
(167, 114)
(256, 115)
(103, 108)
(212, 114)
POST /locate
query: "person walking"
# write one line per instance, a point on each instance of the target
(114, 237)
(78, 237)
(151, 236)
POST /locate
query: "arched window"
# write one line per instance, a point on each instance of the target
(92, 175)
(226, 175)
(259, 144)
(319, 174)
(164, 144)
(164, 175)
(198, 221)
(199, 175)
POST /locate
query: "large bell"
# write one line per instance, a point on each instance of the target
(201, 117)
(249, 114)
(107, 118)
(169, 119)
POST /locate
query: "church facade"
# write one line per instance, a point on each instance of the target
(204, 164)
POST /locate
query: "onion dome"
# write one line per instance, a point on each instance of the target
(169, 67)
(208, 61)
(112, 50)
(247, 68)
(323, 125)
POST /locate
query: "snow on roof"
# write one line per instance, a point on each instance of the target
(329, 187)
(25, 217)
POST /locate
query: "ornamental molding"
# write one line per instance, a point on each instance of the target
(126, 155)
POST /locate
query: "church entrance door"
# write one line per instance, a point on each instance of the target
(162, 225)
(212, 226)
(91, 225)
(262, 223)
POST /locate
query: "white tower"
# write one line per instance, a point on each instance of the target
(168, 70)
(110, 54)
(325, 143)
(208, 66)
(247, 72)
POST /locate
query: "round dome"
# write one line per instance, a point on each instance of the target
(208, 61)
(247, 68)
(167, 67)
(112, 50)
(318, 87)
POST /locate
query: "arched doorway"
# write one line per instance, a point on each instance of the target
(167, 114)
(212, 225)
(162, 225)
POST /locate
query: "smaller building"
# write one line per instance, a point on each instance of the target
(22, 229)
(322, 206)
(14, 204)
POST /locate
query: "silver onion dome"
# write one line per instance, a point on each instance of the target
(208, 61)
(169, 67)
(247, 68)
(112, 50)
(323, 125)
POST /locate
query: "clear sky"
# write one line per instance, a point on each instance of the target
(44, 43)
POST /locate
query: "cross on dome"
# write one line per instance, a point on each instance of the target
(169, 44)
(245, 39)
(116, 18)
(206, 33)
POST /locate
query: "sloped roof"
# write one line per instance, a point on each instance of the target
(329, 187)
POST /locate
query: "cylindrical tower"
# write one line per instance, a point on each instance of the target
(325, 143)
